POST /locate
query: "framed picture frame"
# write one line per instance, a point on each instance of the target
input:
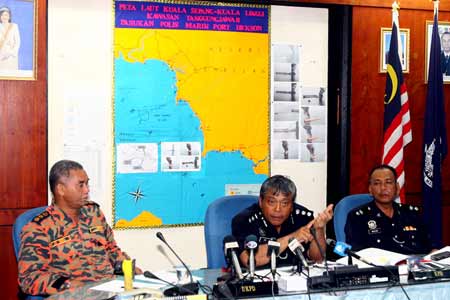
(18, 25)
(386, 34)
(444, 35)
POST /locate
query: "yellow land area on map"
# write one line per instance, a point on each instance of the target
(144, 219)
(224, 76)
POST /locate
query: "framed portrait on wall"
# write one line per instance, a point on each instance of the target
(18, 39)
(386, 34)
(444, 34)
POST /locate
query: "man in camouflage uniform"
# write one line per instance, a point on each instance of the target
(69, 243)
(383, 223)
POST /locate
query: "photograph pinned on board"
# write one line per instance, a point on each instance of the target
(444, 34)
(286, 91)
(286, 53)
(314, 96)
(313, 115)
(18, 39)
(286, 111)
(181, 156)
(312, 133)
(312, 152)
(386, 34)
(285, 130)
(286, 72)
(285, 149)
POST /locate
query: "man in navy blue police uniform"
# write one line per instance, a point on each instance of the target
(383, 223)
(277, 217)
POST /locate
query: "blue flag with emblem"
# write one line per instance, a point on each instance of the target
(434, 142)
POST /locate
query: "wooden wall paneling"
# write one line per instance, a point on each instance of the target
(23, 151)
(367, 99)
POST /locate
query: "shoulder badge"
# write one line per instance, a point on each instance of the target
(43, 215)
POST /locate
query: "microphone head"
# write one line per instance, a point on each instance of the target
(313, 230)
(340, 248)
(229, 242)
(293, 244)
(251, 242)
(160, 236)
(228, 239)
(273, 246)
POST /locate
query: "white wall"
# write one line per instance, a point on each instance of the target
(80, 88)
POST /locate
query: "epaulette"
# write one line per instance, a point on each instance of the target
(303, 212)
(43, 215)
(408, 207)
(365, 210)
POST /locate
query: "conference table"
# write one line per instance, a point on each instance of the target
(418, 290)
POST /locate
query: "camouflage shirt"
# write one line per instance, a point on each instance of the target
(53, 248)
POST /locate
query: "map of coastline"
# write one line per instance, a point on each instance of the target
(206, 87)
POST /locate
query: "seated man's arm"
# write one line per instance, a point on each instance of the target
(320, 222)
(35, 277)
(261, 257)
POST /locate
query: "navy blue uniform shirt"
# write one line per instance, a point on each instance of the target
(367, 226)
(251, 221)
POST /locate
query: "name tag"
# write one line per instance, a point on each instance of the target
(374, 231)
(95, 229)
(60, 241)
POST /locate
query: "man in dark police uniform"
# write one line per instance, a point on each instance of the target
(277, 217)
(383, 223)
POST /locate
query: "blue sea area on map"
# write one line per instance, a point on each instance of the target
(146, 111)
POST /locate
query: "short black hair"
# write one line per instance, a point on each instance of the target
(61, 169)
(381, 167)
(278, 184)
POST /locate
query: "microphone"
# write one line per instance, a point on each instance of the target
(180, 289)
(176, 290)
(230, 244)
(273, 248)
(296, 247)
(343, 249)
(251, 244)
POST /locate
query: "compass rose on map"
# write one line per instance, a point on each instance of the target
(137, 194)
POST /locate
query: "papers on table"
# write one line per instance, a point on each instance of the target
(140, 281)
(376, 256)
(116, 286)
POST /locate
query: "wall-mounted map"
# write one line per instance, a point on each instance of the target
(191, 107)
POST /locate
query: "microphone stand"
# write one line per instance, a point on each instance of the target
(176, 290)
(179, 289)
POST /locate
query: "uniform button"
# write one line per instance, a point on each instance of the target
(378, 241)
(395, 236)
(412, 236)
(401, 245)
(393, 224)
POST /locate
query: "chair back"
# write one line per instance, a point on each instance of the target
(343, 207)
(23, 219)
(218, 225)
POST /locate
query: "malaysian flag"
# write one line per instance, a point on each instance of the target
(397, 126)
(434, 142)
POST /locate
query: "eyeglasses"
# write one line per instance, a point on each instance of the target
(275, 203)
(378, 183)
